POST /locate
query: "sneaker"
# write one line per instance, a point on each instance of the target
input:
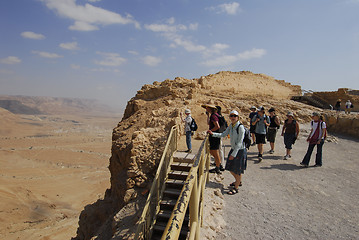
(260, 157)
(253, 144)
(289, 156)
(215, 170)
(189, 151)
(317, 165)
(271, 151)
(221, 168)
(303, 164)
(285, 157)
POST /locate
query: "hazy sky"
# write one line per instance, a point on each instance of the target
(107, 49)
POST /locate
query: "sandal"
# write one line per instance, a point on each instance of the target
(233, 191)
(233, 184)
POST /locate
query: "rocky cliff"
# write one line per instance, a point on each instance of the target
(139, 139)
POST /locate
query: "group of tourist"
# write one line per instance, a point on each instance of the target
(262, 127)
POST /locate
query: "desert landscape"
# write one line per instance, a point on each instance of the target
(51, 167)
(76, 173)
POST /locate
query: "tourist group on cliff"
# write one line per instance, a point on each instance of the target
(262, 128)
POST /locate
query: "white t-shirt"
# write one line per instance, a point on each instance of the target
(314, 127)
(188, 121)
(348, 104)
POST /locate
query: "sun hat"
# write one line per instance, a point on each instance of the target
(234, 112)
(187, 111)
(253, 107)
(290, 114)
(315, 114)
(208, 105)
(261, 108)
(271, 109)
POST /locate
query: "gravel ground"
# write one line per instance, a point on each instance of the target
(281, 200)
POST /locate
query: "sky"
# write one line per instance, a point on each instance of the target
(108, 49)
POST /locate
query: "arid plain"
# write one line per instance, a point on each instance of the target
(51, 166)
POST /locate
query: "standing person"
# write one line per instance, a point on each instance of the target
(316, 138)
(348, 107)
(337, 105)
(213, 123)
(221, 153)
(290, 132)
(252, 128)
(237, 157)
(261, 122)
(187, 128)
(272, 129)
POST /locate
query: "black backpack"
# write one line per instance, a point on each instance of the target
(193, 126)
(247, 136)
(222, 124)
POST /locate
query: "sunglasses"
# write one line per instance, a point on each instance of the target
(233, 115)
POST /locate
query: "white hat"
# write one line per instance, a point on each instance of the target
(234, 112)
(253, 107)
(187, 111)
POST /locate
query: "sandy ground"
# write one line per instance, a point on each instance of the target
(281, 200)
(50, 168)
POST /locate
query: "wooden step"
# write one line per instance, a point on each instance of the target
(181, 166)
(172, 193)
(168, 203)
(174, 183)
(179, 175)
(183, 157)
(164, 216)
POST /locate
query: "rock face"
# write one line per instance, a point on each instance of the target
(139, 139)
(343, 124)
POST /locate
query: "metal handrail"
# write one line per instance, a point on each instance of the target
(146, 221)
(192, 195)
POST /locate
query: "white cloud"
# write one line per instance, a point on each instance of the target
(87, 17)
(105, 70)
(75, 66)
(94, 0)
(193, 26)
(47, 54)
(165, 27)
(69, 46)
(178, 40)
(10, 60)
(133, 52)
(32, 35)
(110, 59)
(151, 60)
(228, 8)
(226, 60)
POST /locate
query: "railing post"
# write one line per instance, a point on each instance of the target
(193, 206)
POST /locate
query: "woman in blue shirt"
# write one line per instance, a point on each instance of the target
(237, 157)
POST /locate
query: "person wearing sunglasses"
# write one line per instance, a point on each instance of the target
(237, 157)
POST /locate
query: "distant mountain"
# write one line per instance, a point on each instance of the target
(52, 105)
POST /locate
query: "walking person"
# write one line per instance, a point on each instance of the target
(272, 129)
(348, 107)
(237, 157)
(261, 122)
(316, 138)
(252, 128)
(187, 128)
(338, 106)
(213, 124)
(290, 131)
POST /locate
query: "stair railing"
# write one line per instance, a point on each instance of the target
(192, 195)
(146, 221)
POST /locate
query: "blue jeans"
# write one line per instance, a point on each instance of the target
(188, 140)
(318, 157)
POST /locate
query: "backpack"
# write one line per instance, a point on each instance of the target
(193, 126)
(351, 106)
(247, 136)
(321, 127)
(222, 123)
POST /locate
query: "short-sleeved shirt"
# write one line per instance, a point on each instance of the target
(251, 115)
(260, 126)
(314, 125)
(213, 118)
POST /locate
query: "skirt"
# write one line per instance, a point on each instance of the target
(239, 163)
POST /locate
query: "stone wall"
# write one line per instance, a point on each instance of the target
(343, 124)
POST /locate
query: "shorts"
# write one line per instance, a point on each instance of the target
(271, 134)
(214, 143)
(289, 139)
(260, 138)
(252, 129)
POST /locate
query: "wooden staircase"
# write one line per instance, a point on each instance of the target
(182, 163)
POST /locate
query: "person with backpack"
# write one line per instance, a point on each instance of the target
(223, 126)
(187, 128)
(272, 129)
(237, 157)
(290, 131)
(316, 137)
(252, 128)
(348, 107)
(214, 126)
(261, 122)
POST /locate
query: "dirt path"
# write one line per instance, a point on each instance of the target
(281, 200)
